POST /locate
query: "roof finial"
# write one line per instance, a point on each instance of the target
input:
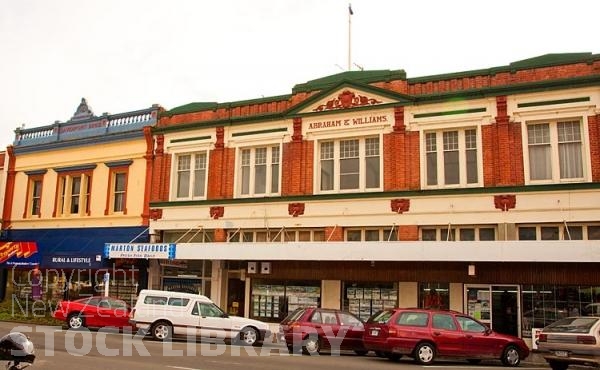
(83, 111)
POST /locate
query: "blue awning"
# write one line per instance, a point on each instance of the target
(78, 248)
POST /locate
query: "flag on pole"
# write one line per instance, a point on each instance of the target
(350, 9)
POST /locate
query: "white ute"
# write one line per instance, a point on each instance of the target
(166, 314)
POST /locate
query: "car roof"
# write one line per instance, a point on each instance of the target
(166, 293)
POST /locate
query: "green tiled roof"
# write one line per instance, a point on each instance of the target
(365, 77)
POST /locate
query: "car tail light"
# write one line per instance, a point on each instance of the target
(586, 339)
(543, 338)
(392, 332)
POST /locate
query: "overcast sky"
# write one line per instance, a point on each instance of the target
(124, 55)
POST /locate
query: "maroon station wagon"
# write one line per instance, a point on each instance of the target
(427, 334)
(313, 329)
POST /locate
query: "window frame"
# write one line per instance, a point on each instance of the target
(269, 169)
(192, 171)
(463, 149)
(563, 234)
(363, 157)
(112, 191)
(32, 180)
(441, 232)
(554, 144)
(64, 197)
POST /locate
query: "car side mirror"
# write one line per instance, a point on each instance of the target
(488, 331)
(224, 315)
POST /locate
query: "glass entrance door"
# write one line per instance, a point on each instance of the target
(497, 306)
(505, 309)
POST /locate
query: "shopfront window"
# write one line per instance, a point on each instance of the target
(273, 300)
(187, 276)
(365, 299)
(544, 304)
(434, 295)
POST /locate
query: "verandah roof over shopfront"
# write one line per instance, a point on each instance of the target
(477, 251)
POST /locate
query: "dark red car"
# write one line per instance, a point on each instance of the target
(427, 334)
(314, 329)
(93, 312)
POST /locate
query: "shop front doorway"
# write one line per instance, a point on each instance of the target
(236, 295)
(496, 306)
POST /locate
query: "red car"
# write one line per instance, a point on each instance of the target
(93, 312)
(427, 334)
(313, 329)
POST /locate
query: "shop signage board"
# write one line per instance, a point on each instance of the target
(140, 250)
(19, 253)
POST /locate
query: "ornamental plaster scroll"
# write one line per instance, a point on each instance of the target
(505, 202)
(156, 213)
(400, 205)
(295, 209)
(217, 212)
(347, 99)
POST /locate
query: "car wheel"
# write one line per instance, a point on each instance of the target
(424, 353)
(511, 357)
(162, 331)
(557, 365)
(361, 352)
(474, 361)
(381, 354)
(311, 345)
(248, 337)
(75, 321)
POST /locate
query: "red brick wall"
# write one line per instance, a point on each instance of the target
(221, 170)
(408, 232)
(594, 133)
(502, 150)
(297, 168)
(220, 235)
(334, 233)
(504, 78)
(401, 161)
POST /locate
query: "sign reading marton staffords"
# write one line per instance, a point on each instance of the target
(140, 250)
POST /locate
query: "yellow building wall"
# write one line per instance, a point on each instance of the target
(77, 156)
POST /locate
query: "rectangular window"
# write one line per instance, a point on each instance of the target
(259, 171)
(354, 235)
(120, 181)
(555, 151)
(431, 158)
(350, 164)
(191, 175)
(456, 163)
(36, 197)
(527, 233)
(593, 232)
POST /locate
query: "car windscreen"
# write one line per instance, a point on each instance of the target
(380, 317)
(572, 325)
(294, 315)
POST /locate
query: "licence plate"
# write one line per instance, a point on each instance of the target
(374, 333)
(561, 353)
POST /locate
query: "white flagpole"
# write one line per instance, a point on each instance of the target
(349, 36)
